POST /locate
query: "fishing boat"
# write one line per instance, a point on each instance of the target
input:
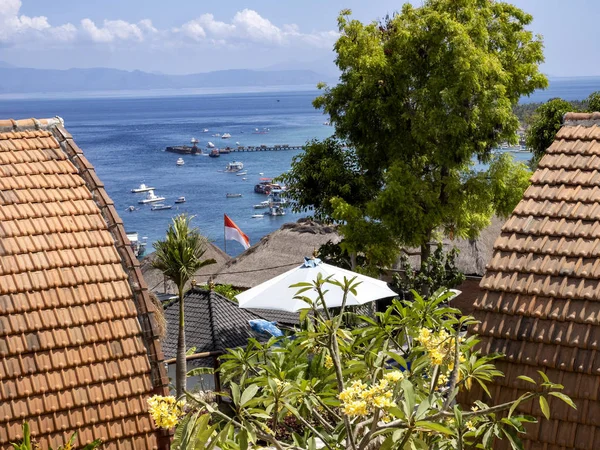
(262, 205)
(225, 136)
(180, 162)
(160, 206)
(210, 145)
(214, 153)
(233, 195)
(234, 166)
(151, 198)
(142, 188)
(258, 216)
(180, 200)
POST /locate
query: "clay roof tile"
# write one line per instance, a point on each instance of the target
(62, 320)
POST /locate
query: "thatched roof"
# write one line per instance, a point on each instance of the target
(155, 279)
(276, 253)
(474, 253)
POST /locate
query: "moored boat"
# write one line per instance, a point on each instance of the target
(262, 205)
(225, 136)
(180, 162)
(151, 198)
(210, 145)
(230, 195)
(234, 166)
(258, 216)
(241, 174)
(180, 200)
(160, 206)
(142, 188)
(214, 153)
(138, 247)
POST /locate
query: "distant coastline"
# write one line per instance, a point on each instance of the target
(157, 93)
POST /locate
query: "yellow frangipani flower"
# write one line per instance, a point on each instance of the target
(165, 411)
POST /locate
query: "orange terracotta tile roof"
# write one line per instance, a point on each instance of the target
(540, 304)
(78, 346)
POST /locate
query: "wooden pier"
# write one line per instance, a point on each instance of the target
(264, 148)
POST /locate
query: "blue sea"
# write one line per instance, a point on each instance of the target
(125, 138)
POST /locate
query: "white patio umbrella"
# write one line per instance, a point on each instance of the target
(277, 294)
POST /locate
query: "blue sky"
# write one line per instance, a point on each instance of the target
(186, 36)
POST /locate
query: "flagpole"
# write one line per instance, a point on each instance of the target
(224, 236)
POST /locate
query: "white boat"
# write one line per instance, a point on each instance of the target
(258, 216)
(160, 206)
(180, 200)
(151, 198)
(142, 188)
(205, 130)
(210, 145)
(244, 179)
(131, 208)
(233, 195)
(276, 211)
(138, 247)
(237, 143)
(262, 205)
(225, 136)
(180, 162)
(261, 173)
(241, 174)
(216, 135)
(234, 166)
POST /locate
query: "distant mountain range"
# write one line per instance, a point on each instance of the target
(16, 80)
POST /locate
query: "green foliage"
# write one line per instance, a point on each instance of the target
(389, 384)
(439, 271)
(179, 255)
(593, 102)
(325, 170)
(28, 443)
(226, 290)
(543, 127)
(420, 95)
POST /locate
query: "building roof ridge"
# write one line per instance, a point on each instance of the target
(573, 119)
(12, 125)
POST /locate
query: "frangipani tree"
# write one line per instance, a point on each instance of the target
(390, 383)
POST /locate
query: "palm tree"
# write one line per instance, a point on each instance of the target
(179, 257)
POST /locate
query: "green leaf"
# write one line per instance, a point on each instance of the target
(565, 398)
(526, 378)
(544, 407)
(434, 426)
(248, 394)
(515, 405)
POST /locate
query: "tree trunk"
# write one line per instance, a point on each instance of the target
(353, 261)
(180, 369)
(425, 253)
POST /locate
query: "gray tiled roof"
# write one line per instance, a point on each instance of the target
(212, 323)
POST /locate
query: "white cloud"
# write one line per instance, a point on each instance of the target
(113, 30)
(247, 27)
(15, 28)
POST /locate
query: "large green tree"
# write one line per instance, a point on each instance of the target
(179, 256)
(543, 126)
(421, 94)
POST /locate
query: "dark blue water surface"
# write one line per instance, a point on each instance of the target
(125, 140)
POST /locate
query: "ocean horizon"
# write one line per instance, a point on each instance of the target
(124, 137)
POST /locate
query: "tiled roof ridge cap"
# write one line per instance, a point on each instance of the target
(581, 119)
(11, 125)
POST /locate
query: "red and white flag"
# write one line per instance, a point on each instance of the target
(233, 233)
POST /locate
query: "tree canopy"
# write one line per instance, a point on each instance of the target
(422, 94)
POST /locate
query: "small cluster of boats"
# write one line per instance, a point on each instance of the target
(156, 201)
